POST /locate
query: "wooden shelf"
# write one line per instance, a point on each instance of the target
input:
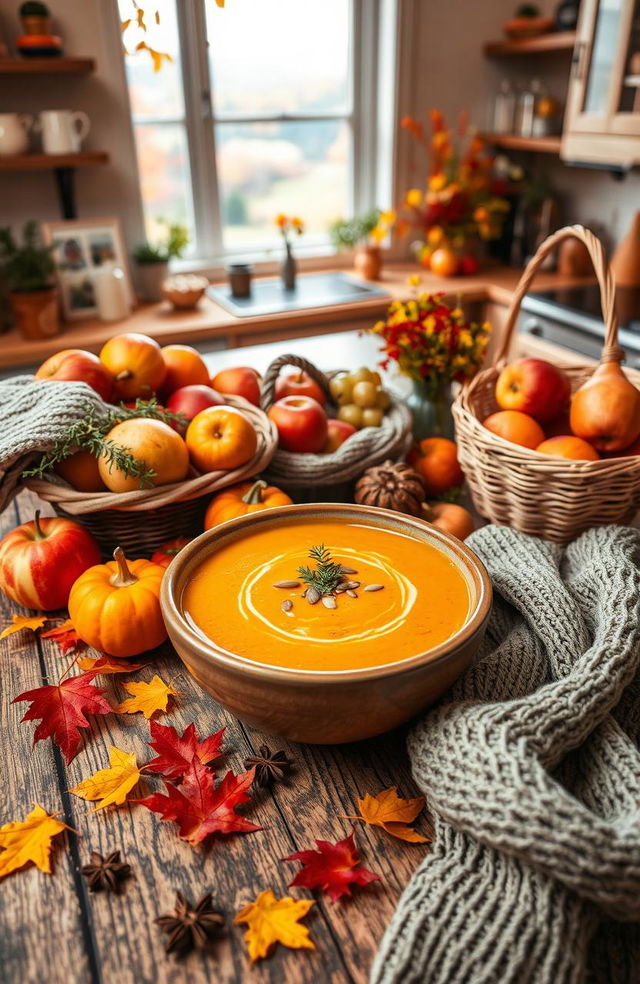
(555, 41)
(49, 162)
(543, 145)
(46, 66)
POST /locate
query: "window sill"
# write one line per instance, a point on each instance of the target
(318, 258)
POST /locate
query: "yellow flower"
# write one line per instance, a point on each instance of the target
(378, 234)
(281, 220)
(414, 198)
(435, 236)
(413, 280)
(388, 217)
(441, 139)
(456, 312)
(437, 181)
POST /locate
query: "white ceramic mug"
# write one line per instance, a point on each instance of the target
(13, 133)
(63, 130)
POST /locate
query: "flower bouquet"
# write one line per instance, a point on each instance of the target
(460, 205)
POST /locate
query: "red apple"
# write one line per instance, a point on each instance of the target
(40, 560)
(168, 550)
(299, 383)
(301, 423)
(338, 432)
(242, 381)
(190, 400)
(76, 365)
(534, 387)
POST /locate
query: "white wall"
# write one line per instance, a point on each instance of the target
(442, 66)
(112, 189)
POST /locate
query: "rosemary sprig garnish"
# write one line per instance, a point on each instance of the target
(89, 434)
(327, 575)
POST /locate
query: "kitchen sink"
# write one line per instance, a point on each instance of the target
(269, 296)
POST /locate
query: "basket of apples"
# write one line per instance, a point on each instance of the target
(553, 451)
(139, 468)
(330, 426)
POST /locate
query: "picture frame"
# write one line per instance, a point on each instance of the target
(83, 246)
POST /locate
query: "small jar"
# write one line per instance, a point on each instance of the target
(504, 109)
(240, 279)
(111, 294)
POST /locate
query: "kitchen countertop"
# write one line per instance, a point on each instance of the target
(210, 322)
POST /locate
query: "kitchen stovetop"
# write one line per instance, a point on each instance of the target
(580, 306)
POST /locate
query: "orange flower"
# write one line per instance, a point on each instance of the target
(437, 120)
(441, 139)
(437, 181)
(281, 220)
(413, 126)
(297, 224)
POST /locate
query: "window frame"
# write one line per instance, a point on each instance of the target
(371, 115)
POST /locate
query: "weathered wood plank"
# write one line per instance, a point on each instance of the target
(328, 780)
(37, 911)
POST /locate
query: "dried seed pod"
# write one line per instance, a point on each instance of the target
(374, 587)
(391, 486)
(287, 585)
(329, 601)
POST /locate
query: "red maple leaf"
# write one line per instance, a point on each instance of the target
(199, 809)
(175, 753)
(62, 710)
(333, 868)
(66, 637)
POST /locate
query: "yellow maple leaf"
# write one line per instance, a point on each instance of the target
(271, 920)
(111, 786)
(392, 813)
(146, 697)
(18, 622)
(29, 840)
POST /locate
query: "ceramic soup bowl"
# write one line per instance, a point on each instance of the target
(234, 605)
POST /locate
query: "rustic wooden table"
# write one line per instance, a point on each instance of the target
(52, 929)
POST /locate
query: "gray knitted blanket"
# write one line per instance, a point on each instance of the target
(531, 769)
(34, 413)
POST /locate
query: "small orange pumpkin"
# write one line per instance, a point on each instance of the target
(238, 500)
(450, 517)
(115, 607)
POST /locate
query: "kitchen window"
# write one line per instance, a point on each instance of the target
(266, 106)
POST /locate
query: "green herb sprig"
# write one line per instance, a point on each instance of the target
(89, 434)
(327, 575)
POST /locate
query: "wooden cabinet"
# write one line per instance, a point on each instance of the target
(602, 119)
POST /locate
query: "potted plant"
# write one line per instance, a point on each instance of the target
(153, 260)
(28, 272)
(363, 233)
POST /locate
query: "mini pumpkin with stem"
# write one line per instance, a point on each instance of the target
(115, 607)
(239, 500)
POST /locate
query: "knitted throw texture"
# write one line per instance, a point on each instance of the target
(34, 413)
(531, 769)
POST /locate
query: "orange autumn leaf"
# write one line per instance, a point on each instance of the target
(65, 636)
(111, 786)
(18, 622)
(271, 920)
(105, 666)
(25, 841)
(392, 813)
(146, 697)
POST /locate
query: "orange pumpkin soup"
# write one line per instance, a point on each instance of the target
(410, 597)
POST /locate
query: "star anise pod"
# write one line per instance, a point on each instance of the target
(191, 926)
(270, 766)
(106, 873)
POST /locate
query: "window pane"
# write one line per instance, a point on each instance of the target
(163, 162)
(279, 56)
(156, 94)
(297, 168)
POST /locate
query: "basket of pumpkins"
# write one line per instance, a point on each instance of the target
(547, 450)
(137, 471)
(331, 426)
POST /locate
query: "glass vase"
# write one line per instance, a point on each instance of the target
(431, 411)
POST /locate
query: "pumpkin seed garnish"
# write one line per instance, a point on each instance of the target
(287, 585)
(286, 605)
(329, 601)
(352, 585)
(341, 587)
(374, 587)
(313, 595)
(352, 594)
(347, 570)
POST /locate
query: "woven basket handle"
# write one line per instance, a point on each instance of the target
(611, 351)
(268, 387)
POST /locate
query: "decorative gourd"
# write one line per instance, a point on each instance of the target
(115, 607)
(238, 500)
(451, 517)
(391, 486)
(605, 411)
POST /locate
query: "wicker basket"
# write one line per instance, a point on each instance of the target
(140, 521)
(545, 495)
(334, 473)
